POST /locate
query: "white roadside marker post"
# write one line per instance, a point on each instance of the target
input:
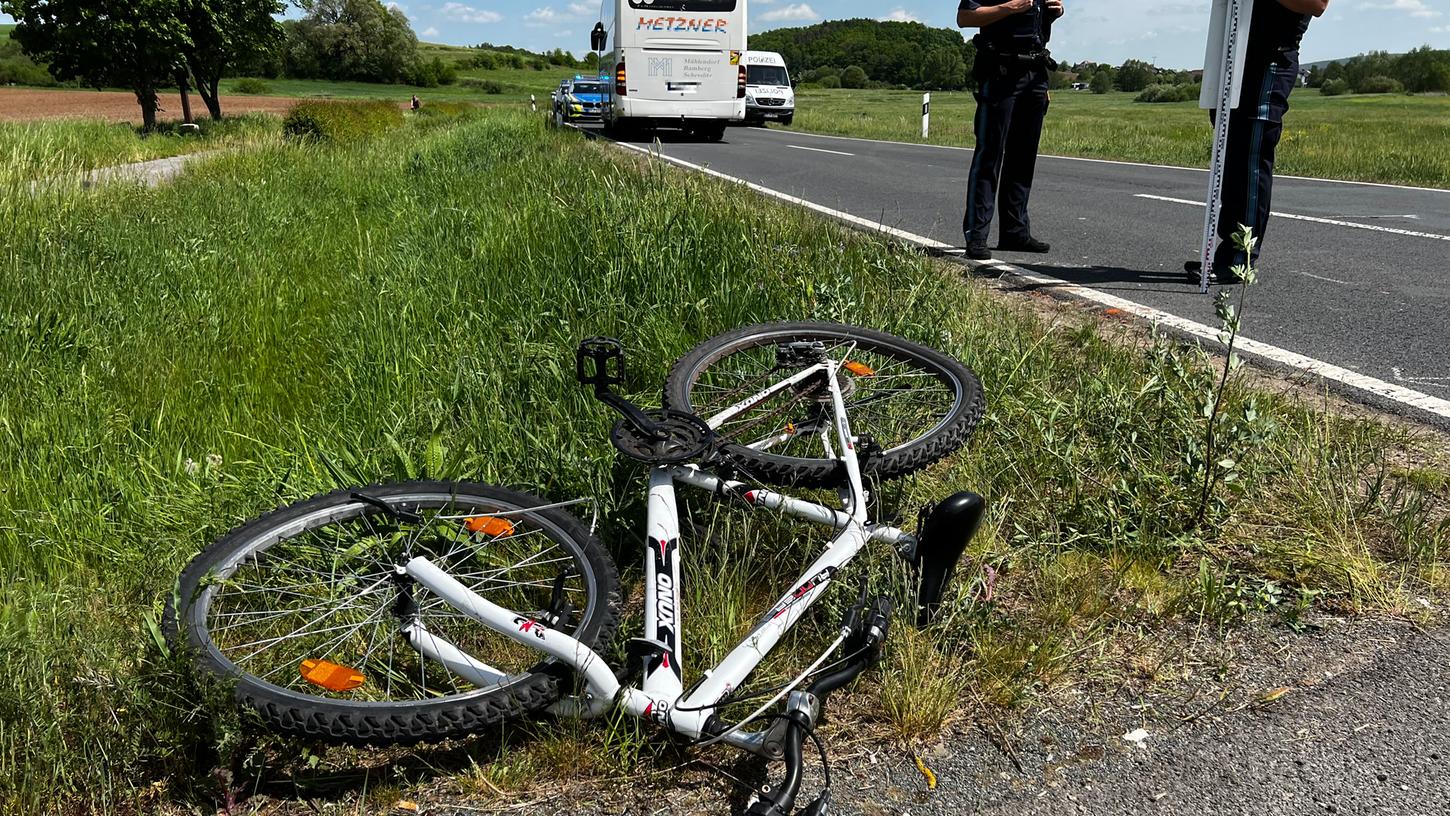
(1223, 63)
(533, 107)
(925, 115)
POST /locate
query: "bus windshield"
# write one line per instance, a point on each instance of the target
(765, 75)
(707, 6)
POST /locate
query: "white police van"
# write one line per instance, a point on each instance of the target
(768, 93)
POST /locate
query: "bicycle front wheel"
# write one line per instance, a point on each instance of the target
(917, 403)
(308, 610)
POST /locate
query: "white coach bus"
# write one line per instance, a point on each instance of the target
(673, 63)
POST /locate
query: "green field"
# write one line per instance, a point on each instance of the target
(175, 361)
(1392, 139)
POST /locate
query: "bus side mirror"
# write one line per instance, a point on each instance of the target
(597, 38)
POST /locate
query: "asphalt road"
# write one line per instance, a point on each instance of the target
(1347, 717)
(1366, 292)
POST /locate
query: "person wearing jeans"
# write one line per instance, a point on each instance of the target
(1271, 70)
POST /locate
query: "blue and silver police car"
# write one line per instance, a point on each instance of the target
(581, 99)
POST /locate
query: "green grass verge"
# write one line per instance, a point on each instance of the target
(1383, 138)
(408, 305)
(54, 148)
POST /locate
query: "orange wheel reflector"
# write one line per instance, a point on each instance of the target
(859, 369)
(331, 676)
(489, 526)
(790, 428)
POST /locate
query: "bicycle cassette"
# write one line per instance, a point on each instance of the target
(686, 437)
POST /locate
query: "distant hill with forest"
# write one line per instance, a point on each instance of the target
(872, 53)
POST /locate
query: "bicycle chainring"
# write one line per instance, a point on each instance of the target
(687, 437)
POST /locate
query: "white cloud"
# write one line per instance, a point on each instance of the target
(469, 14)
(430, 31)
(1414, 8)
(794, 11)
(584, 9)
(899, 15)
(547, 16)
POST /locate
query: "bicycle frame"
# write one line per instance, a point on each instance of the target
(661, 694)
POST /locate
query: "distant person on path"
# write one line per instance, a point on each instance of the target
(416, 103)
(1011, 70)
(1271, 70)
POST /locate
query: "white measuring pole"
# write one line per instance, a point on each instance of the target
(1223, 65)
(925, 115)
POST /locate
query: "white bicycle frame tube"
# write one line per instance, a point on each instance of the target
(660, 696)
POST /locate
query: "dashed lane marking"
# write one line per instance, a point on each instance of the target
(819, 150)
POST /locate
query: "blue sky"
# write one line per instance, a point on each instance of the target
(1166, 32)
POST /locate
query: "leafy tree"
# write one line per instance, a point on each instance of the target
(133, 44)
(1379, 85)
(1423, 70)
(1102, 83)
(225, 34)
(352, 40)
(943, 69)
(853, 77)
(1134, 75)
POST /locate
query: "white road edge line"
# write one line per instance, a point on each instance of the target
(1385, 390)
(1109, 161)
(1291, 216)
(818, 150)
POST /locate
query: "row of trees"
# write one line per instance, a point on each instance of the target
(1133, 76)
(1423, 70)
(870, 53)
(146, 45)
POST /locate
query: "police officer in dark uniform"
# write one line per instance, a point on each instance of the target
(1011, 71)
(1271, 70)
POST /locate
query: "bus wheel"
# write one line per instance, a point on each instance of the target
(712, 133)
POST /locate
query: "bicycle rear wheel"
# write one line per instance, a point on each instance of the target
(917, 403)
(305, 609)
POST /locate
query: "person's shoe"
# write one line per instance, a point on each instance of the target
(1217, 275)
(1027, 244)
(977, 251)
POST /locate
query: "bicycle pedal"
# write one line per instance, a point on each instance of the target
(599, 361)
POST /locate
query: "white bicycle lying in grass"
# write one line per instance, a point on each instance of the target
(427, 610)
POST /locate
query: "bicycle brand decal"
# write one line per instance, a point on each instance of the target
(665, 600)
(666, 617)
(658, 710)
(801, 591)
(530, 626)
